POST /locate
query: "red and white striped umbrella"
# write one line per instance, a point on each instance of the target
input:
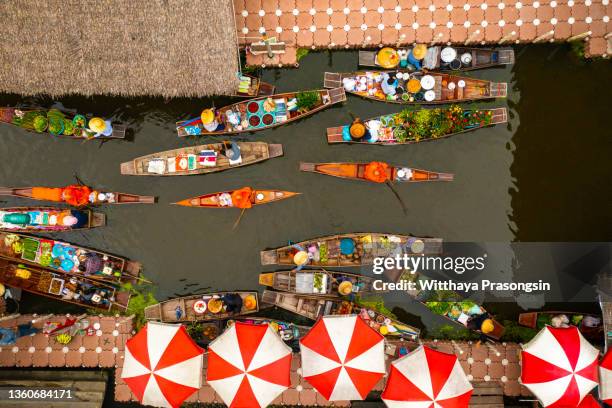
(559, 366)
(162, 365)
(605, 378)
(342, 357)
(249, 365)
(427, 378)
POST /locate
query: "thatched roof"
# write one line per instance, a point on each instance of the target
(118, 47)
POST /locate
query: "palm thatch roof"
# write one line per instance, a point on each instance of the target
(170, 48)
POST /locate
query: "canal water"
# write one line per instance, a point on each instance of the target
(545, 176)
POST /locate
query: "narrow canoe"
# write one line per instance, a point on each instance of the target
(55, 255)
(47, 219)
(223, 199)
(68, 288)
(537, 320)
(194, 308)
(356, 171)
(352, 249)
(316, 282)
(314, 307)
(256, 87)
(259, 113)
(464, 89)
(12, 116)
(165, 163)
(386, 133)
(476, 58)
(288, 331)
(100, 197)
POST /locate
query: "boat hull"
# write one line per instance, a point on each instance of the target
(120, 198)
(94, 220)
(215, 200)
(304, 282)
(356, 171)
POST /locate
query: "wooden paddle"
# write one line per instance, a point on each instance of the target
(243, 211)
(404, 208)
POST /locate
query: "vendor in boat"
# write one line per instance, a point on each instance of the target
(232, 152)
(232, 302)
(389, 84)
(300, 257)
(416, 55)
(100, 127)
(481, 323)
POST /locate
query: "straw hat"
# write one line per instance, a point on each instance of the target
(419, 51)
(207, 116)
(300, 258)
(357, 130)
(487, 326)
(97, 125)
(2, 289)
(345, 288)
(250, 303)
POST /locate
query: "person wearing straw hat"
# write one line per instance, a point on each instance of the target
(100, 127)
(301, 257)
(416, 55)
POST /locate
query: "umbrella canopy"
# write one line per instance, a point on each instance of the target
(249, 365)
(342, 357)
(427, 378)
(559, 366)
(162, 365)
(605, 378)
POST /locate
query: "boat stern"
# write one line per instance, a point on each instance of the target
(266, 279)
(153, 312)
(268, 257)
(275, 150)
(98, 219)
(128, 168)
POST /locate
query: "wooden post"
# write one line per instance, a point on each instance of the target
(544, 36)
(579, 36)
(471, 37)
(400, 40)
(435, 40)
(507, 37)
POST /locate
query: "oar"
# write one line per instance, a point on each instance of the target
(404, 209)
(239, 218)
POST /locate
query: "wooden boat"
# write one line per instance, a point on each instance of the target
(314, 307)
(357, 171)
(61, 256)
(48, 219)
(333, 250)
(16, 116)
(289, 332)
(466, 58)
(464, 89)
(99, 196)
(316, 282)
(65, 287)
(224, 199)
(387, 129)
(202, 159)
(195, 308)
(253, 87)
(537, 320)
(259, 113)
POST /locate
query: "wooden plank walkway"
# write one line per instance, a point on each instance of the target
(343, 24)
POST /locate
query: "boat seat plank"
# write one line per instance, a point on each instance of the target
(334, 134)
(499, 89)
(506, 56)
(499, 115)
(337, 95)
(332, 80)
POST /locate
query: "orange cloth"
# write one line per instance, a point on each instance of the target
(77, 196)
(376, 171)
(47, 193)
(241, 198)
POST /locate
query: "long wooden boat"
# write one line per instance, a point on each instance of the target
(289, 332)
(317, 282)
(23, 119)
(260, 113)
(202, 159)
(463, 89)
(394, 129)
(48, 219)
(197, 308)
(358, 171)
(60, 256)
(224, 199)
(65, 287)
(252, 87)
(97, 197)
(314, 307)
(594, 330)
(352, 249)
(466, 58)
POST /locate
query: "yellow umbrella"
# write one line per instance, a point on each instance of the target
(387, 58)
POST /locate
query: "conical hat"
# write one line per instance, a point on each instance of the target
(419, 51)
